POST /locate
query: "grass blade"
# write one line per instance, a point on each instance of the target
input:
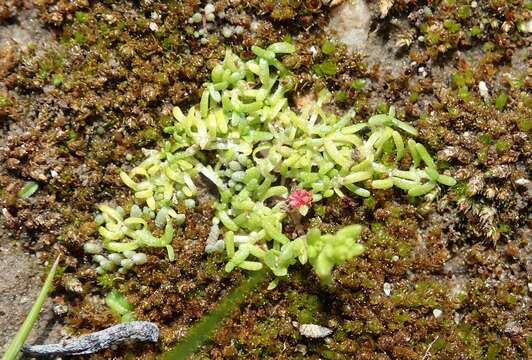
(202, 330)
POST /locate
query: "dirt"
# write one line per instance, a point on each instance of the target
(20, 283)
(21, 271)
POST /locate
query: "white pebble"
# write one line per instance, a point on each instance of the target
(474, 4)
(314, 331)
(153, 26)
(522, 181)
(483, 90)
(387, 288)
(437, 313)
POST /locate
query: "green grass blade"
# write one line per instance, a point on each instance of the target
(19, 339)
(202, 330)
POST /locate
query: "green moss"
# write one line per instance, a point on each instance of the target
(303, 306)
(81, 16)
(476, 31)
(438, 345)
(503, 145)
(488, 46)
(493, 350)
(358, 84)
(4, 101)
(370, 202)
(523, 124)
(501, 100)
(452, 25)
(57, 80)
(328, 67)
(328, 47)
(464, 11)
(106, 281)
(80, 38)
(341, 96)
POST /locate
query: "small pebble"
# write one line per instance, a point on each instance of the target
(387, 288)
(153, 26)
(483, 90)
(314, 331)
(437, 313)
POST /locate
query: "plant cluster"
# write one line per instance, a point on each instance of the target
(266, 160)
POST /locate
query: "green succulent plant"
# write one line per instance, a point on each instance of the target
(266, 153)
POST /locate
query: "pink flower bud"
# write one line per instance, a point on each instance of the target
(299, 198)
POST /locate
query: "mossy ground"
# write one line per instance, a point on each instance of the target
(84, 107)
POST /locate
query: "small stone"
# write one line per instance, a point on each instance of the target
(387, 288)
(314, 331)
(483, 90)
(437, 313)
(474, 4)
(522, 181)
(153, 26)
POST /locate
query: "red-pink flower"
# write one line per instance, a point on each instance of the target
(298, 198)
